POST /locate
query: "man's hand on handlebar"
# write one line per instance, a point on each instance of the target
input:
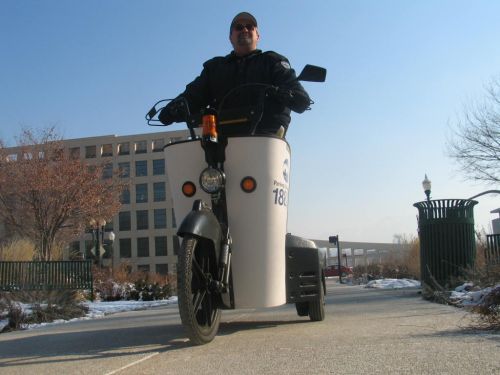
(175, 111)
(291, 99)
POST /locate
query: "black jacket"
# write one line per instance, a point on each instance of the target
(222, 74)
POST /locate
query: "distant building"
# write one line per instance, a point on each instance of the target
(495, 223)
(145, 227)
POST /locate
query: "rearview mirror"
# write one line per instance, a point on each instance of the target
(312, 73)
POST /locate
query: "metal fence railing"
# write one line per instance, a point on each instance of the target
(56, 275)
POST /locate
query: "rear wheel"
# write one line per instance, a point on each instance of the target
(198, 301)
(317, 307)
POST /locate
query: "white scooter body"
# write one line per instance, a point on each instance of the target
(257, 220)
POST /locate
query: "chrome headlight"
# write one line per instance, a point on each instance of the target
(212, 180)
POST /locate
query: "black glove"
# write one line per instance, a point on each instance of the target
(295, 100)
(282, 95)
(175, 111)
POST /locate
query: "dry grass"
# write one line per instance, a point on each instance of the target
(395, 266)
(489, 311)
(23, 249)
(17, 250)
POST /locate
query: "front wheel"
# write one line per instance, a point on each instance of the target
(198, 300)
(302, 308)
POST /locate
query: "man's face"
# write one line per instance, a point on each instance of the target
(244, 36)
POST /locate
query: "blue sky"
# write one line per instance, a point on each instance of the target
(399, 74)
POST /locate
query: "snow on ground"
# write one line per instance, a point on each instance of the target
(468, 295)
(100, 309)
(393, 284)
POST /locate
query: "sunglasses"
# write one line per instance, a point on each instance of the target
(240, 27)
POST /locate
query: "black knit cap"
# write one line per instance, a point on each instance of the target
(244, 15)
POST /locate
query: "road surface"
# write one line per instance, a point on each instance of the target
(366, 331)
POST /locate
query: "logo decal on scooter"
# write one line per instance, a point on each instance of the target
(286, 168)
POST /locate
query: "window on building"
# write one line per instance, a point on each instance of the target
(142, 219)
(141, 147)
(161, 246)
(124, 220)
(124, 148)
(162, 269)
(125, 196)
(74, 153)
(176, 244)
(160, 218)
(74, 250)
(158, 167)
(141, 193)
(143, 247)
(107, 150)
(141, 168)
(158, 144)
(124, 169)
(109, 226)
(90, 152)
(12, 157)
(89, 248)
(159, 191)
(125, 248)
(107, 171)
(143, 268)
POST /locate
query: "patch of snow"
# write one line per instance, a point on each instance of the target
(465, 295)
(393, 284)
(99, 309)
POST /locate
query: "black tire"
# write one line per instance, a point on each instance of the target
(302, 308)
(198, 303)
(317, 307)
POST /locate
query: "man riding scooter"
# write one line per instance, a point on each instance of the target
(244, 65)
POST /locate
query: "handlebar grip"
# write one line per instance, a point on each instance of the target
(152, 112)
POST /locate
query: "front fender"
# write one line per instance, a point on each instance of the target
(203, 224)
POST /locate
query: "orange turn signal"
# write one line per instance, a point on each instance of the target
(209, 126)
(248, 184)
(188, 189)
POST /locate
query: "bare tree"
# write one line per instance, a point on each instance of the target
(476, 142)
(47, 196)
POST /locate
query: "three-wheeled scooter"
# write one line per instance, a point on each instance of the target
(231, 187)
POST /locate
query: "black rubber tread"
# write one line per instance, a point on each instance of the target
(302, 308)
(317, 307)
(195, 322)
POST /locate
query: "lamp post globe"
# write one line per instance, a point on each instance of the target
(426, 184)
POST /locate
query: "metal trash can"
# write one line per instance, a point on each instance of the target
(447, 240)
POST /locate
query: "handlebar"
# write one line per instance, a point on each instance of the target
(251, 113)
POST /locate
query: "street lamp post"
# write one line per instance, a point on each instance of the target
(98, 237)
(111, 238)
(335, 240)
(426, 184)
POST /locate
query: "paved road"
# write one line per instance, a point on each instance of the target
(365, 332)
